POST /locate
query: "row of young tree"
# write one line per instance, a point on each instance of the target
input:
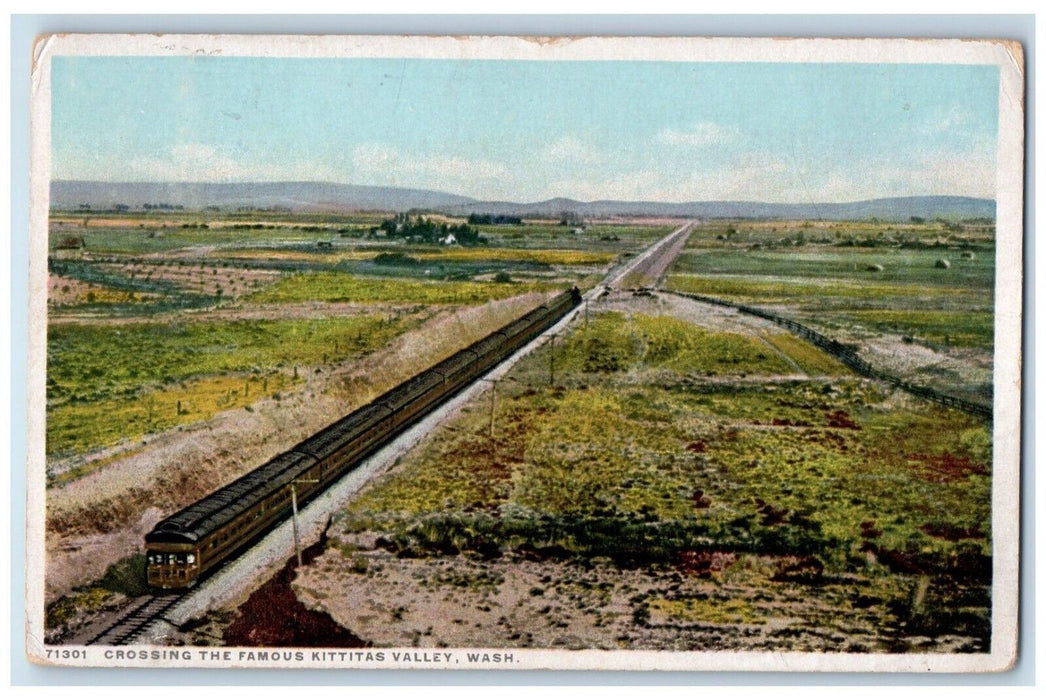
(494, 219)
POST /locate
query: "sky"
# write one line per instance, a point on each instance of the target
(532, 130)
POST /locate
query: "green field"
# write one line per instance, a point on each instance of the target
(949, 328)
(640, 461)
(327, 261)
(110, 380)
(627, 439)
(79, 428)
(339, 287)
(107, 382)
(164, 233)
(778, 290)
(613, 342)
(844, 276)
(598, 237)
(846, 265)
(426, 254)
(137, 241)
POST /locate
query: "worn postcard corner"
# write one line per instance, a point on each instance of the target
(500, 353)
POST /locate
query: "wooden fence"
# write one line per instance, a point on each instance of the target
(851, 359)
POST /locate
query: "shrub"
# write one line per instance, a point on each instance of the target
(396, 260)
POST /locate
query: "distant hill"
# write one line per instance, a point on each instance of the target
(892, 209)
(297, 196)
(326, 196)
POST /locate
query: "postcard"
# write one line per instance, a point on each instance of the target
(389, 352)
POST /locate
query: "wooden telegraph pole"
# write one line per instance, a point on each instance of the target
(294, 511)
(552, 359)
(493, 402)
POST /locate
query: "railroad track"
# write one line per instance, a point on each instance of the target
(137, 619)
(649, 267)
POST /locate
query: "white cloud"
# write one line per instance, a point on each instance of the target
(769, 177)
(964, 173)
(572, 149)
(753, 177)
(196, 162)
(382, 164)
(700, 135)
(570, 167)
(374, 155)
(947, 119)
(635, 185)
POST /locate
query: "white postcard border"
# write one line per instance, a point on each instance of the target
(1008, 317)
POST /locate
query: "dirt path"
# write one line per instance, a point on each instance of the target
(709, 316)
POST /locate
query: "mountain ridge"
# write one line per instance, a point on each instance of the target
(318, 196)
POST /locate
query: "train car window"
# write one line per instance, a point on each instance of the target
(170, 560)
(191, 558)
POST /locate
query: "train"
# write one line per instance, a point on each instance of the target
(183, 548)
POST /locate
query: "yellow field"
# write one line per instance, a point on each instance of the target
(295, 255)
(80, 427)
(539, 256)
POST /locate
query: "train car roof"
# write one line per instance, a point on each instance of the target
(211, 512)
(208, 514)
(333, 437)
(520, 326)
(491, 342)
(406, 391)
(455, 362)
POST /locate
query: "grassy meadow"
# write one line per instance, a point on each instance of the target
(760, 487)
(335, 287)
(924, 281)
(108, 383)
(663, 445)
(129, 353)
